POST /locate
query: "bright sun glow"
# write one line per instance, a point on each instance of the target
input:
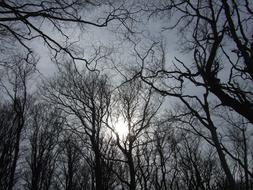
(121, 128)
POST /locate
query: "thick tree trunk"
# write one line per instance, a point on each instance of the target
(98, 170)
(245, 158)
(132, 172)
(224, 165)
(15, 157)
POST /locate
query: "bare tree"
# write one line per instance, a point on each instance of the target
(84, 97)
(45, 126)
(217, 38)
(7, 136)
(239, 135)
(14, 85)
(137, 109)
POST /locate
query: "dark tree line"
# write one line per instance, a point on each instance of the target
(65, 137)
(187, 125)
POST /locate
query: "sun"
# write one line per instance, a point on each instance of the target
(121, 128)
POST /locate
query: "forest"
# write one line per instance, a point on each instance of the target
(126, 95)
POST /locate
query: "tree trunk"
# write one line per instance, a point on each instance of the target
(224, 165)
(15, 158)
(132, 172)
(98, 170)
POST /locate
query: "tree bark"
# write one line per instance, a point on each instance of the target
(224, 165)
